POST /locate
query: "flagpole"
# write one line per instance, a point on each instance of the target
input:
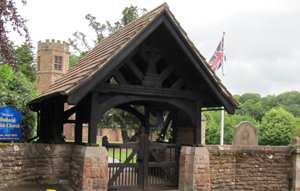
(222, 108)
(222, 126)
(216, 61)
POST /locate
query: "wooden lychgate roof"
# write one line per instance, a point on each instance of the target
(106, 56)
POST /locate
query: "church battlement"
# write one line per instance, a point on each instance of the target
(53, 45)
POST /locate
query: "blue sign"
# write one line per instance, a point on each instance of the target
(10, 124)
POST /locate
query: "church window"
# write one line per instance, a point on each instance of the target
(58, 63)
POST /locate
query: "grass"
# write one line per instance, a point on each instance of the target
(120, 154)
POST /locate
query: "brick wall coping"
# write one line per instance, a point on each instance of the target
(248, 148)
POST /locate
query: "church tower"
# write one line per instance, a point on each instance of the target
(52, 62)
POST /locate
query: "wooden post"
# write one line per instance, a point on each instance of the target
(140, 161)
(147, 121)
(57, 121)
(93, 119)
(78, 123)
(197, 127)
(43, 126)
(146, 160)
(78, 130)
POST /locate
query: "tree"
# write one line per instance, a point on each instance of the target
(268, 103)
(251, 105)
(16, 91)
(9, 18)
(250, 96)
(79, 42)
(276, 127)
(290, 101)
(117, 118)
(73, 59)
(25, 64)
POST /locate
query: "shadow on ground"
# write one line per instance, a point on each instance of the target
(38, 188)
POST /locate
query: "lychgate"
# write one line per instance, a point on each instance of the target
(148, 68)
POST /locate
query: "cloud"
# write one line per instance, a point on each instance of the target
(262, 47)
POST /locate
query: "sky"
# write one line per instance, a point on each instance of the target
(262, 40)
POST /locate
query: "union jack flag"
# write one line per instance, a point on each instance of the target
(218, 58)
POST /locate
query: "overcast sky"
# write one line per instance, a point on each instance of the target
(262, 39)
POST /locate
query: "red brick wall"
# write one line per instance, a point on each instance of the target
(250, 168)
(114, 135)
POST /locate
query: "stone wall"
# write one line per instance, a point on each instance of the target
(22, 164)
(201, 168)
(81, 167)
(250, 168)
(89, 169)
(194, 171)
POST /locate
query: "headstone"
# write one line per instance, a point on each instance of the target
(245, 134)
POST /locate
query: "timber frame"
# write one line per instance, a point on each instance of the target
(149, 63)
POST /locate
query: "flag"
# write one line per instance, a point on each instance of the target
(218, 58)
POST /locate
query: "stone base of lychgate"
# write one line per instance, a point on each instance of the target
(89, 168)
(194, 171)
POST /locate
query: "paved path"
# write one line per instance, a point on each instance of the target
(38, 188)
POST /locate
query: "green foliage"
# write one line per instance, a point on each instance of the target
(25, 63)
(73, 59)
(255, 109)
(250, 96)
(117, 118)
(290, 101)
(129, 14)
(256, 106)
(230, 121)
(11, 20)
(251, 105)
(78, 40)
(276, 127)
(15, 91)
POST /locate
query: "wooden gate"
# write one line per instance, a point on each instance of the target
(143, 165)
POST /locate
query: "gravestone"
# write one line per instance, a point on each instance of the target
(245, 134)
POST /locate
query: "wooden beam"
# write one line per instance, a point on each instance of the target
(69, 112)
(135, 69)
(166, 73)
(120, 78)
(57, 122)
(146, 91)
(78, 131)
(94, 110)
(197, 127)
(178, 84)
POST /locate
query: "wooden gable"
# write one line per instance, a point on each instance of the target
(151, 55)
